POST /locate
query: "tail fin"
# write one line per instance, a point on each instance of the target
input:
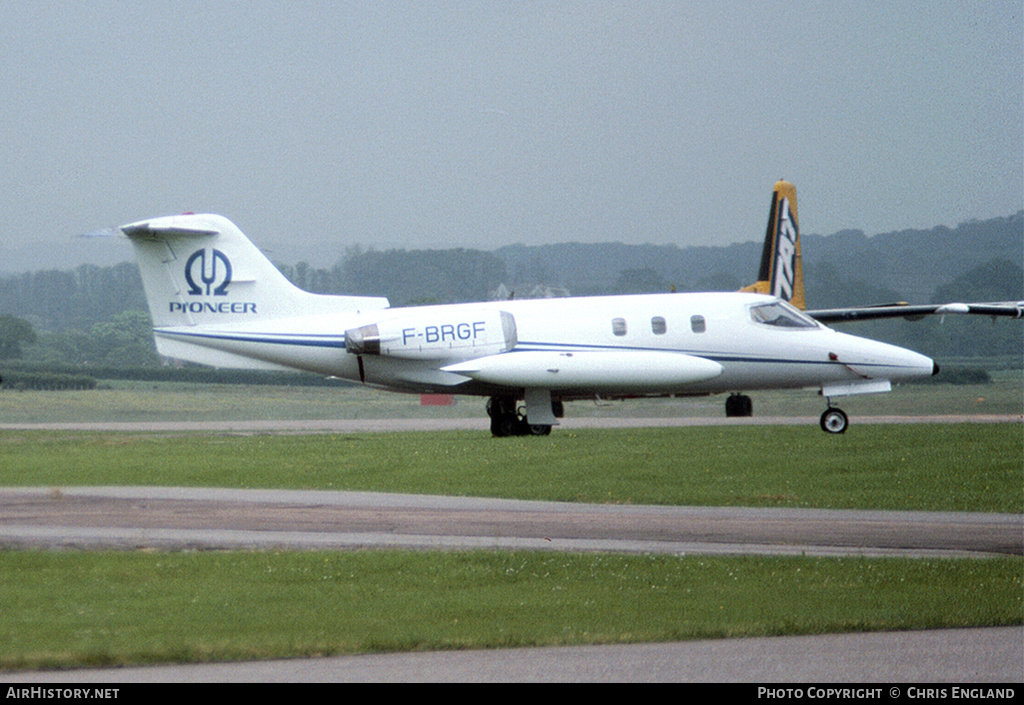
(781, 272)
(201, 270)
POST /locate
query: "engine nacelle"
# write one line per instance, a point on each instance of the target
(447, 335)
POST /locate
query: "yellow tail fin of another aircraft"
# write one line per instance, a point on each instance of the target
(781, 272)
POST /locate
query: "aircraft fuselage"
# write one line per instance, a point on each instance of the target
(624, 346)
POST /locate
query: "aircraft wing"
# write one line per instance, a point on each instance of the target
(1010, 309)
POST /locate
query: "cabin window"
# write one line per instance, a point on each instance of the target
(781, 315)
(619, 326)
(697, 324)
(658, 325)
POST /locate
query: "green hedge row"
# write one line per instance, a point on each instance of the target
(8, 368)
(958, 375)
(46, 382)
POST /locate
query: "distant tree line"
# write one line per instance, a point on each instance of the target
(56, 300)
(937, 336)
(406, 277)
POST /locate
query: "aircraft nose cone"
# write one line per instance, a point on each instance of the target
(935, 368)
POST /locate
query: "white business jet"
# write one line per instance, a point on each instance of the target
(215, 299)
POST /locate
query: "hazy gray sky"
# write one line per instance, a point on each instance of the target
(480, 124)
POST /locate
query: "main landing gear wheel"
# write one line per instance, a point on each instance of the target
(538, 429)
(834, 420)
(506, 419)
(739, 405)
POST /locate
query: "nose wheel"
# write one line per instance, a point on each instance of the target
(834, 420)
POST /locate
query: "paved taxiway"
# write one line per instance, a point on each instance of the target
(955, 656)
(209, 518)
(477, 423)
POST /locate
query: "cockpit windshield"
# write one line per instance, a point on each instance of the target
(782, 315)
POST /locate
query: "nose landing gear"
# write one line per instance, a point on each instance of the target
(834, 420)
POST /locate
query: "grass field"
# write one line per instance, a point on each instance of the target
(90, 608)
(956, 467)
(63, 609)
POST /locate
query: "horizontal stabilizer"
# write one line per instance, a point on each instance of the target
(169, 226)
